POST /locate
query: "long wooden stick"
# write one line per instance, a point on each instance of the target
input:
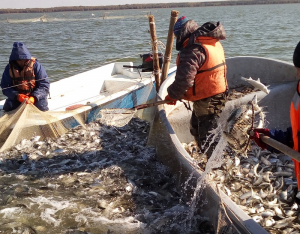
(143, 106)
(156, 68)
(281, 147)
(169, 46)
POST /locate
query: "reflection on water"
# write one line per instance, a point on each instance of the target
(73, 42)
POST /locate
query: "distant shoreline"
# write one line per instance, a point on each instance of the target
(147, 6)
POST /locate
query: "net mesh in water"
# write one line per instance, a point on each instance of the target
(28, 121)
(240, 121)
(233, 128)
(118, 117)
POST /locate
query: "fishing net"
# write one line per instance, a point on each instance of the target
(232, 136)
(239, 123)
(118, 117)
(28, 121)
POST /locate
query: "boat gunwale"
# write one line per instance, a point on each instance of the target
(242, 220)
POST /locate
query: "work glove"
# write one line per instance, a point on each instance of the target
(254, 135)
(30, 100)
(22, 97)
(172, 101)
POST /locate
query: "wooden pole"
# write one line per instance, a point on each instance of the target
(154, 51)
(281, 147)
(169, 46)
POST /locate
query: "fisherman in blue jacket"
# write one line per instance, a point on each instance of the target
(290, 137)
(24, 79)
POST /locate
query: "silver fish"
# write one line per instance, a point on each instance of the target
(257, 84)
(284, 222)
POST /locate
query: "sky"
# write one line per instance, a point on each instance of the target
(55, 3)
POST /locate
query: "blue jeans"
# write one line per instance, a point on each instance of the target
(10, 105)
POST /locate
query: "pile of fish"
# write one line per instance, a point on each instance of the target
(262, 184)
(97, 179)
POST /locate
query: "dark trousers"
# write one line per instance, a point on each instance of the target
(206, 113)
(10, 105)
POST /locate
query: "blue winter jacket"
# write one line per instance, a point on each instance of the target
(285, 137)
(42, 85)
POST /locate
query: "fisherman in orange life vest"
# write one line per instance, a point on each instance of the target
(200, 76)
(291, 136)
(24, 79)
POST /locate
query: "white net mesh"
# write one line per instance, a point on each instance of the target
(118, 117)
(234, 124)
(28, 121)
(240, 121)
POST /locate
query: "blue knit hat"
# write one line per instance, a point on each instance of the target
(179, 24)
(19, 51)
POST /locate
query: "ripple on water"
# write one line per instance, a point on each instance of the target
(97, 180)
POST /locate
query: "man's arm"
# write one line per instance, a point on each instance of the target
(42, 84)
(190, 61)
(6, 85)
(284, 137)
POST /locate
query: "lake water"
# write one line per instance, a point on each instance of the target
(73, 42)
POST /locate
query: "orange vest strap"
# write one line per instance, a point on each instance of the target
(215, 67)
(24, 81)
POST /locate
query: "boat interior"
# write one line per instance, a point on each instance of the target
(279, 76)
(171, 129)
(94, 85)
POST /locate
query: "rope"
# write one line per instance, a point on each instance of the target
(156, 72)
(224, 208)
(167, 58)
(22, 84)
(252, 126)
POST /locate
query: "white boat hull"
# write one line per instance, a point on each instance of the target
(109, 86)
(171, 128)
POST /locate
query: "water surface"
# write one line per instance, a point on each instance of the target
(73, 42)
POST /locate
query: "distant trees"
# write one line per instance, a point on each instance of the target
(146, 6)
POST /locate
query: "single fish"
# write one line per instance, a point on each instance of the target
(284, 222)
(247, 195)
(278, 212)
(269, 222)
(257, 84)
(283, 173)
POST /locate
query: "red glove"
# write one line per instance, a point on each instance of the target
(172, 101)
(30, 100)
(22, 97)
(256, 136)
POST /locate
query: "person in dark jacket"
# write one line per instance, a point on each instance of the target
(200, 76)
(24, 79)
(291, 136)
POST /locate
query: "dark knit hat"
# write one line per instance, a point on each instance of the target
(296, 57)
(179, 24)
(19, 51)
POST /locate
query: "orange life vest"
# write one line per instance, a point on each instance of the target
(295, 120)
(24, 81)
(211, 77)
